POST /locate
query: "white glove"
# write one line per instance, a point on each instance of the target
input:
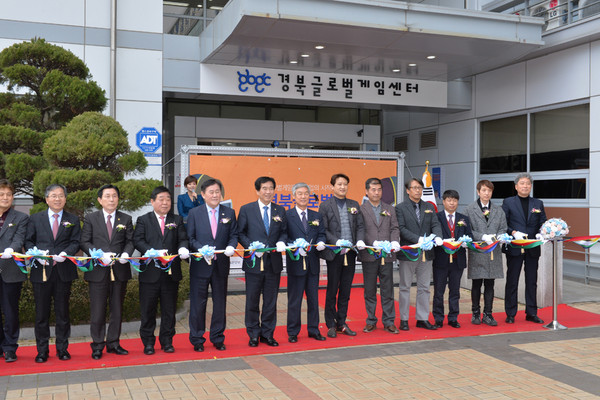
(519, 235)
(280, 247)
(538, 236)
(489, 239)
(360, 245)
(438, 241)
(60, 258)
(183, 253)
(395, 246)
(7, 253)
(421, 239)
(320, 246)
(229, 251)
(105, 259)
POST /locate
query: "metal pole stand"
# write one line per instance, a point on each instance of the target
(554, 325)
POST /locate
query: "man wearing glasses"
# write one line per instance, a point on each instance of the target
(416, 219)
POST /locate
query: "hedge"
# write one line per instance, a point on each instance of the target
(80, 300)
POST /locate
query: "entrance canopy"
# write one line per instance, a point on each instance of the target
(369, 37)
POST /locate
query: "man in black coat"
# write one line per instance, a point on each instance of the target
(303, 273)
(13, 225)
(111, 231)
(211, 224)
(448, 269)
(163, 231)
(57, 232)
(265, 222)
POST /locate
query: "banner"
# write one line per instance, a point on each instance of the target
(238, 173)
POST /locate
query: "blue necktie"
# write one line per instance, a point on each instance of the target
(266, 218)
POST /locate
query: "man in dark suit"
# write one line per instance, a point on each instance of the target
(525, 216)
(381, 224)
(13, 225)
(265, 222)
(343, 221)
(56, 231)
(111, 231)
(164, 231)
(303, 273)
(416, 219)
(212, 224)
(448, 269)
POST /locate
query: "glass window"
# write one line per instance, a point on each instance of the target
(504, 145)
(337, 115)
(293, 114)
(242, 112)
(503, 190)
(560, 139)
(559, 188)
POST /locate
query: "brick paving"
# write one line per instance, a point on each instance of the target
(533, 365)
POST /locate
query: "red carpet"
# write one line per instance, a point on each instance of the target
(237, 340)
(358, 280)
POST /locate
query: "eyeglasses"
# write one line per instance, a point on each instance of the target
(56, 196)
(416, 187)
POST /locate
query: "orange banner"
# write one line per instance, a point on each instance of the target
(238, 173)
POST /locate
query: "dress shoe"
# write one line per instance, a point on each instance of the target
(148, 349)
(534, 318)
(293, 339)
(199, 347)
(391, 329)
(253, 342)
(404, 326)
(117, 350)
(439, 324)
(369, 328)
(476, 319)
(510, 320)
(331, 332)
(269, 341)
(488, 319)
(220, 346)
(425, 324)
(346, 330)
(10, 356)
(168, 348)
(41, 358)
(317, 336)
(454, 324)
(96, 354)
(64, 355)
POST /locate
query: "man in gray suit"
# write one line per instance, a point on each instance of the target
(343, 221)
(416, 219)
(13, 225)
(381, 224)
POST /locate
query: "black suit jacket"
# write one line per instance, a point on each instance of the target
(251, 229)
(12, 235)
(529, 224)
(462, 226)
(314, 235)
(147, 235)
(95, 236)
(39, 234)
(333, 229)
(200, 234)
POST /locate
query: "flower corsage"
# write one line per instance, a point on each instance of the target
(535, 211)
(67, 224)
(314, 223)
(225, 220)
(120, 227)
(277, 218)
(461, 223)
(171, 226)
(385, 213)
(353, 210)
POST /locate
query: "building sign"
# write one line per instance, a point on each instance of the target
(293, 84)
(149, 140)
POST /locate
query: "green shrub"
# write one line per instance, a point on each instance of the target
(80, 300)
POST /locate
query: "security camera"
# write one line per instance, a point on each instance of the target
(359, 132)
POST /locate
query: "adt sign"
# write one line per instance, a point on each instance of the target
(148, 140)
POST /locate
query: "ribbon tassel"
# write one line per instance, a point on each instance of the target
(112, 274)
(304, 263)
(382, 260)
(345, 260)
(491, 255)
(44, 278)
(262, 267)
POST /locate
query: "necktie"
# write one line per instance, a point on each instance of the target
(55, 226)
(418, 212)
(109, 227)
(162, 224)
(266, 218)
(213, 223)
(451, 222)
(304, 221)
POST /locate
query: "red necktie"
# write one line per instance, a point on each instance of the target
(162, 224)
(55, 226)
(109, 227)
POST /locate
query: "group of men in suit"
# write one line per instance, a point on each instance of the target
(261, 224)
